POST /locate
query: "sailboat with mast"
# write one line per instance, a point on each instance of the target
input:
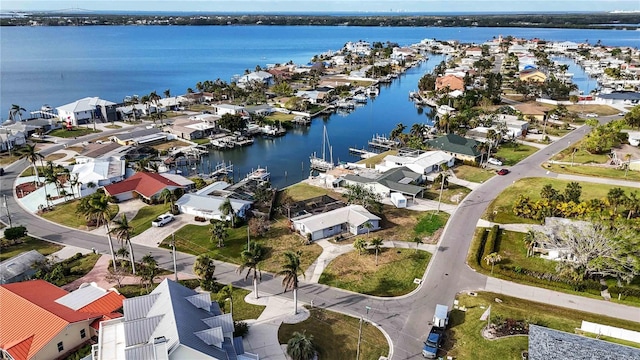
(321, 164)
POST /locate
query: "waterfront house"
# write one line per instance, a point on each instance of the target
(19, 267)
(564, 46)
(402, 53)
(140, 137)
(474, 51)
(532, 75)
(418, 161)
(146, 185)
(619, 98)
(133, 111)
(206, 202)
(263, 109)
(396, 180)
(193, 128)
(351, 219)
(461, 148)
(42, 321)
(172, 322)
(451, 82)
(261, 77)
(221, 109)
(550, 344)
(101, 172)
(362, 48)
(88, 110)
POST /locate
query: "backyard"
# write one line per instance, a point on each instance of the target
(302, 191)
(65, 214)
(473, 173)
(335, 336)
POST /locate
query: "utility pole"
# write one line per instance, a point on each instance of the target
(6, 207)
(360, 333)
(173, 252)
(248, 239)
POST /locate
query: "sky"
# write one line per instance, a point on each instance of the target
(309, 6)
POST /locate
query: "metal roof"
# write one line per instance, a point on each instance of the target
(82, 297)
(352, 214)
(13, 269)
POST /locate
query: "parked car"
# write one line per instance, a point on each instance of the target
(494, 161)
(162, 220)
(432, 344)
(1, 171)
(503, 171)
(591, 115)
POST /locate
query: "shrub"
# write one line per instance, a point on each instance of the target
(490, 243)
(477, 246)
(15, 232)
(240, 328)
(625, 291)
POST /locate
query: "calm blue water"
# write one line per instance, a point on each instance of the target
(57, 65)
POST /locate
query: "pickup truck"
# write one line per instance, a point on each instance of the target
(162, 220)
(432, 344)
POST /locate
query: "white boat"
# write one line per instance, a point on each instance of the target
(360, 98)
(346, 104)
(373, 91)
(321, 164)
(259, 174)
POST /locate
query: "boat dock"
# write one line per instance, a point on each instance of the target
(364, 154)
(382, 142)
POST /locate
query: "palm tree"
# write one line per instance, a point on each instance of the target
(16, 110)
(167, 93)
(443, 179)
(122, 253)
(418, 241)
(290, 271)
(97, 208)
(251, 259)
(227, 209)
(226, 293)
(360, 244)
(397, 131)
(300, 346)
(32, 155)
(627, 159)
(169, 196)
(368, 225)
(492, 258)
(123, 231)
(482, 147)
(149, 270)
(218, 232)
(633, 204)
(530, 241)
(154, 98)
(204, 269)
(376, 243)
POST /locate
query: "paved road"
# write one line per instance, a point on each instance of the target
(405, 319)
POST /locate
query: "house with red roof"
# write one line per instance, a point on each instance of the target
(144, 184)
(451, 82)
(42, 321)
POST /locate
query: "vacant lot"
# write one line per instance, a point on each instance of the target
(28, 243)
(76, 132)
(302, 191)
(512, 153)
(452, 194)
(473, 174)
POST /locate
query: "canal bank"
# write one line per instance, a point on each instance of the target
(287, 157)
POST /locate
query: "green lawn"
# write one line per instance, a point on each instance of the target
(278, 116)
(596, 171)
(144, 217)
(29, 243)
(204, 141)
(510, 245)
(449, 195)
(65, 214)
(76, 132)
(581, 156)
(79, 267)
(473, 174)
(242, 310)
(302, 191)
(372, 161)
(196, 240)
(6, 158)
(464, 339)
(512, 153)
(430, 223)
(335, 336)
(394, 275)
(531, 187)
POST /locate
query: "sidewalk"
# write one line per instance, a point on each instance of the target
(523, 228)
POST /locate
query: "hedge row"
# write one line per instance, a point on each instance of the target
(15, 232)
(625, 291)
(475, 251)
(490, 243)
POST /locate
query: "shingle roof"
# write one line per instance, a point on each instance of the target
(455, 144)
(549, 344)
(396, 179)
(146, 184)
(352, 214)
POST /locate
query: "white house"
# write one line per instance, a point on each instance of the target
(100, 172)
(206, 202)
(256, 76)
(564, 46)
(350, 219)
(421, 162)
(86, 110)
(9, 141)
(221, 109)
(360, 47)
(473, 52)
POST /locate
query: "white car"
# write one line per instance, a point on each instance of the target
(494, 161)
(162, 220)
(591, 115)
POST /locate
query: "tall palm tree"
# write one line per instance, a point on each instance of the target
(443, 178)
(377, 244)
(204, 268)
(169, 196)
(290, 271)
(633, 204)
(530, 241)
(251, 259)
(227, 209)
(97, 208)
(368, 225)
(154, 98)
(300, 346)
(30, 153)
(218, 232)
(397, 131)
(149, 270)
(123, 230)
(16, 110)
(167, 93)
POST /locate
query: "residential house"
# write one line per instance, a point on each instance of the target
(261, 77)
(314, 96)
(100, 172)
(396, 180)
(362, 48)
(172, 322)
(221, 109)
(550, 344)
(263, 109)
(418, 161)
(102, 150)
(461, 148)
(192, 129)
(518, 49)
(143, 184)
(473, 51)
(206, 202)
(620, 98)
(402, 53)
(42, 321)
(532, 75)
(133, 111)
(351, 219)
(19, 267)
(564, 46)
(451, 82)
(532, 111)
(9, 141)
(173, 102)
(140, 137)
(87, 110)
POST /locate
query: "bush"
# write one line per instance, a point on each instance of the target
(477, 246)
(625, 291)
(490, 243)
(240, 328)
(15, 232)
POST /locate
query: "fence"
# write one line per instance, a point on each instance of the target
(610, 331)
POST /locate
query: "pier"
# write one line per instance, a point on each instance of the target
(382, 142)
(364, 154)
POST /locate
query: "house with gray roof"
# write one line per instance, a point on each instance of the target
(19, 267)
(352, 219)
(463, 149)
(419, 161)
(172, 322)
(206, 202)
(397, 180)
(87, 110)
(549, 344)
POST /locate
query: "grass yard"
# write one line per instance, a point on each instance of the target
(335, 336)
(29, 243)
(54, 157)
(596, 171)
(242, 310)
(464, 339)
(6, 159)
(531, 187)
(196, 239)
(169, 144)
(453, 194)
(65, 214)
(76, 132)
(279, 116)
(204, 141)
(302, 191)
(77, 149)
(372, 161)
(79, 267)
(581, 156)
(510, 245)
(394, 275)
(512, 153)
(430, 223)
(144, 217)
(473, 174)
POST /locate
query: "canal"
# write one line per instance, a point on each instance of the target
(287, 157)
